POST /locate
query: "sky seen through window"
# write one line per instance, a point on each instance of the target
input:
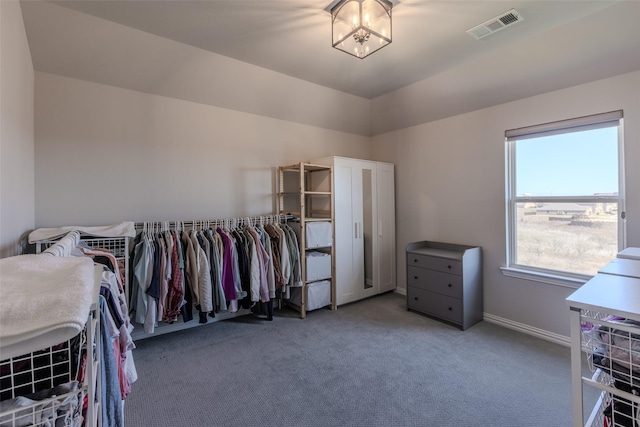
(582, 164)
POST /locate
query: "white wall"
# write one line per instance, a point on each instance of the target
(16, 130)
(105, 154)
(450, 183)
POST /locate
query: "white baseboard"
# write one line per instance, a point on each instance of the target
(529, 330)
(521, 327)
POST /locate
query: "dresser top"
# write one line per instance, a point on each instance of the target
(440, 253)
(439, 249)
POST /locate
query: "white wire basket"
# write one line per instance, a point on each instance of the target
(612, 346)
(40, 388)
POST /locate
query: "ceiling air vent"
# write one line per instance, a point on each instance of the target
(495, 24)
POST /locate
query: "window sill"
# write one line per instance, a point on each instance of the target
(551, 279)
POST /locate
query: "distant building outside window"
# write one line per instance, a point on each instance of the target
(565, 196)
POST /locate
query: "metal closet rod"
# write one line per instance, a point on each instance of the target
(206, 223)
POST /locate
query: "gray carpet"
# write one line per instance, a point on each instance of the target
(371, 363)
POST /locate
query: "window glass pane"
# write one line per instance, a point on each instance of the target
(570, 164)
(577, 238)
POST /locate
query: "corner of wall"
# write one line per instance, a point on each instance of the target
(17, 189)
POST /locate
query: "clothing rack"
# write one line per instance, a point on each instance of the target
(201, 225)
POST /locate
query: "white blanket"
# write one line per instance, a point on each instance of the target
(124, 229)
(44, 300)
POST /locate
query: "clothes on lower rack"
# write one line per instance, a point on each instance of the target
(211, 270)
(115, 324)
(55, 407)
(119, 328)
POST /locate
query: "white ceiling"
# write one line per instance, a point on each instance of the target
(293, 36)
(274, 58)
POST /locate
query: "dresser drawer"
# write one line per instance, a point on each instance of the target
(437, 305)
(435, 263)
(435, 281)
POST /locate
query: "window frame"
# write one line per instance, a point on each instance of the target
(596, 121)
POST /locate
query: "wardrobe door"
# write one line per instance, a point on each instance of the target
(356, 223)
(346, 218)
(386, 233)
(366, 194)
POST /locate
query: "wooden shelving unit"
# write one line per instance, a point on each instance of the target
(305, 191)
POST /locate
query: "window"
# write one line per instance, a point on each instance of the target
(565, 198)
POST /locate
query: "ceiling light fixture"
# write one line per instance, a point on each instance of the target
(361, 27)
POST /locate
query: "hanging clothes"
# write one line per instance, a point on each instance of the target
(118, 369)
(202, 271)
(294, 253)
(262, 257)
(228, 282)
(191, 268)
(271, 279)
(221, 268)
(175, 291)
(276, 254)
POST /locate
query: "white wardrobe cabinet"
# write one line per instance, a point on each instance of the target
(364, 203)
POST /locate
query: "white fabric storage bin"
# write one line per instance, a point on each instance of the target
(318, 234)
(318, 266)
(318, 295)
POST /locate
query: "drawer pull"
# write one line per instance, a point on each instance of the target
(449, 285)
(415, 298)
(415, 277)
(450, 308)
(415, 260)
(449, 267)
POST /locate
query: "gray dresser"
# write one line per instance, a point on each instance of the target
(444, 281)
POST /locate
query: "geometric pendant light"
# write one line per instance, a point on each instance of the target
(361, 27)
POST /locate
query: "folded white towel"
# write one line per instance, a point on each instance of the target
(44, 300)
(124, 229)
